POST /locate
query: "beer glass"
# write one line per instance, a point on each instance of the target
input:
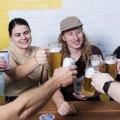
(78, 84)
(87, 89)
(54, 58)
(98, 63)
(111, 66)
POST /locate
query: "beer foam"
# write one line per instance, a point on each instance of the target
(95, 63)
(55, 49)
(89, 72)
(110, 61)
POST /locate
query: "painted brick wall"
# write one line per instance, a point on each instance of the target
(8, 5)
(101, 21)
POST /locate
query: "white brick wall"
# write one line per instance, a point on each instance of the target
(101, 19)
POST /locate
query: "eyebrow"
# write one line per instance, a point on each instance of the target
(23, 32)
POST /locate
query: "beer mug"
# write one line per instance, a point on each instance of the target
(111, 66)
(54, 58)
(98, 63)
(87, 89)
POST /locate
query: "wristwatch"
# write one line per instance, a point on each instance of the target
(106, 86)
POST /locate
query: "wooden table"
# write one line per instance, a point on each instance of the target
(87, 110)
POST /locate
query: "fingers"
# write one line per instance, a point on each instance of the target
(3, 65)
(72, 109)
(80, 96)
(42, 57)
(73, 67)
(73, 70)
(65, 109)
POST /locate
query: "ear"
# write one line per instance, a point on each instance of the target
(63, 37)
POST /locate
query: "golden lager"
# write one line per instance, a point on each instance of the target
(88, 89)
(102, 68)
(111, 66)
(54, 59)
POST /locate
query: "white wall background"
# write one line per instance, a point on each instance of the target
(101, 19)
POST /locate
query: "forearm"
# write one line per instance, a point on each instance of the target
(36, 101)
(23, 70)
(11, 110)
(114, 91)
(58, 98)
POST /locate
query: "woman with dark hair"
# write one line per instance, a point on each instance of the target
(28, 64)
(75, 45)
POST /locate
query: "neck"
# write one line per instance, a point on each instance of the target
(75, 53)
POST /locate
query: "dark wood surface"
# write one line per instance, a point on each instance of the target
(87, 110)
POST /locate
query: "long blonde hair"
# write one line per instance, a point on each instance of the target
(85, 48)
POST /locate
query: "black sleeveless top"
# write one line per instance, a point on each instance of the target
(81, 65)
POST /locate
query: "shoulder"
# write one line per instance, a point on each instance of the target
(10, 50)
(95, 50)
(34, 48)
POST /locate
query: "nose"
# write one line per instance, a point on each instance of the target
(75, 36)
(23, 36)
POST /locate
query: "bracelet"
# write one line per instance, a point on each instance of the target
(107, 86)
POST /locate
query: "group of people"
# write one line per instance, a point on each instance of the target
(28, 74)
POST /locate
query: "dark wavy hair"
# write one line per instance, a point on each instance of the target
(17, 21)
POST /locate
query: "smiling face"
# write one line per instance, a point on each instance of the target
(21, 36)
(74, 38)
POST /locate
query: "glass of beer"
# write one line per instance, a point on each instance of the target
(98, 63)
(87, 89)
(111, 66)
(54, 58)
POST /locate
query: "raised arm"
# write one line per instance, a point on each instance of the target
(98, 81)
(32, 101)
(17, 72)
